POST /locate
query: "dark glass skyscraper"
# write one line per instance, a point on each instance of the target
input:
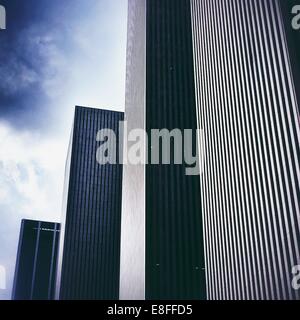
(162, 218)
(89, 256)
(36, 261)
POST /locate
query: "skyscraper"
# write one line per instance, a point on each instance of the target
(227, 67)
(89, 254)
(248, 107)
(36, 261)
(162, 243)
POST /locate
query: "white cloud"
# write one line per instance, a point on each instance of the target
(31, 186)
(97, 67)
(31, 170)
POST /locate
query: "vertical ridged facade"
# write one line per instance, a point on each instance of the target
(160, 94)
(250, 187)
(174, 241)
(36, 261)
(90, 243)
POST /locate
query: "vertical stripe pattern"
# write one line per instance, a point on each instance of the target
(248, 110)
(162, 243)
(36, 261)
(89, 268)
(174, 241)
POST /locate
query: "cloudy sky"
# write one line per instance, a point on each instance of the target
(54, 54)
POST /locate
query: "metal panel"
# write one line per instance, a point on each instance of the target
(249, 112)
(132, 277)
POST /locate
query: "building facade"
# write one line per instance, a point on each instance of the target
(36, 261)
(248, 108)
(89, 255)
(229, 68)
(162, 253)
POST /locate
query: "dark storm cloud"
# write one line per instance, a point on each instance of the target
(33, 51)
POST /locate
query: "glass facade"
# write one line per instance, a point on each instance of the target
(89, 254)
(36, 261)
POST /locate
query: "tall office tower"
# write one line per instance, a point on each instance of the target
(248, 108)
(89, 254)
(162, 243)
(36, 261)
(245, 67)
